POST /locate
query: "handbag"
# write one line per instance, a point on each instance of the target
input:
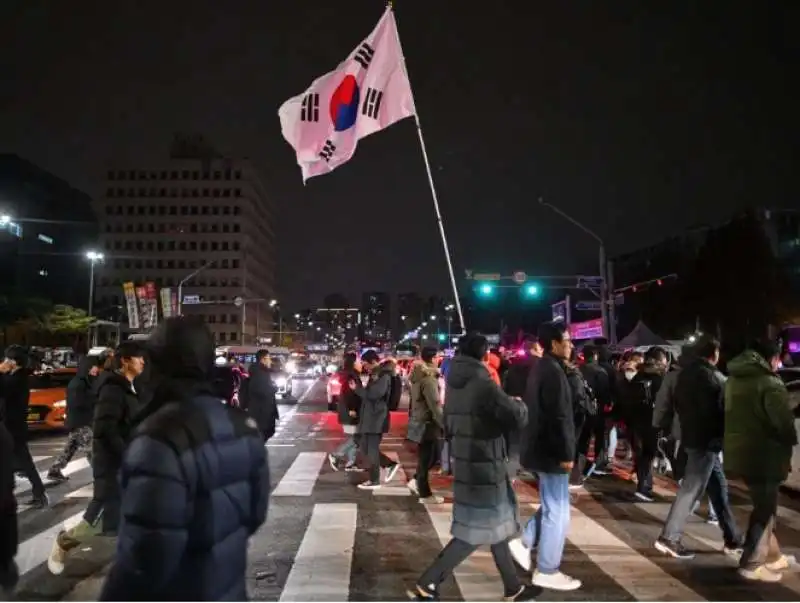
(416, 430)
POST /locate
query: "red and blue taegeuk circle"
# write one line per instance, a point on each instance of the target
(344, 104)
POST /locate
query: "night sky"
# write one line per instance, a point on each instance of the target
(638, 118)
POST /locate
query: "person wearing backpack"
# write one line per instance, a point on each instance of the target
(641, 395)
(373, 420)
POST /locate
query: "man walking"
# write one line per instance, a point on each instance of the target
(426, 415)
(548, 450)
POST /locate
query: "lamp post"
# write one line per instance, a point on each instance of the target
(609, 330)
(273, 303)
(94, 257)
(187, 278)
(449, 309)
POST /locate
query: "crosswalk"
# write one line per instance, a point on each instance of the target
(326, 540)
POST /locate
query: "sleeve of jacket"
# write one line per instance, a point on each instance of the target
(107, 417)
(555, 390)
(259, 484)
(155, 517)
(779, 412)
(664, 407)
(509, 413)
(376, 389)
(430, 393)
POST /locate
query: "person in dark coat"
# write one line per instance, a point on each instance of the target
(347, 412)
(186, 521)
(15, 393)
(111, 429)
(477, 415)
(700, 404)
(9, 574)
(373, 420)
(261, 390)
(548, 450)
(80, 414)
(599, 380)
(514, 384)
(426, 412)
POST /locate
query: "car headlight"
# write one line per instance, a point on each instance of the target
(60, 404)
(280, 381)
(291, 367)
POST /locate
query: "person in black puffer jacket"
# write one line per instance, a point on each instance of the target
(186, 521)
(347, 408)
(113, 419)
(259, 400)
(80, 414)
(9, 574)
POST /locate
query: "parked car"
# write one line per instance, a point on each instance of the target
(47, 409)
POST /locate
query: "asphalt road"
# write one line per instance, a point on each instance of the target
(325, 540)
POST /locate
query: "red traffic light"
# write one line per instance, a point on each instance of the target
(659, 283)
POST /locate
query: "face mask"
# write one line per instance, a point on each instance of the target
(630, 375)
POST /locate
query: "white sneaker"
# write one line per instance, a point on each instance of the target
(784, 563)
(412, 485)
(760, 574)
(433, 499)
(557, 581)
(520, 553)
(333, 462)
(391, 472)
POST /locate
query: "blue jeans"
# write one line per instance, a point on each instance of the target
(547, 530)
(347, 450)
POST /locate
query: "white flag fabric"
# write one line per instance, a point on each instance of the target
(365, 94)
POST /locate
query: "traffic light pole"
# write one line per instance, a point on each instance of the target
(604, 291)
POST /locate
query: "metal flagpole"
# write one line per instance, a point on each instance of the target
(435, 197)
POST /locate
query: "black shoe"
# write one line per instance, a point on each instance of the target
(9, 576)
(422, 594)
(673, 549)
(55, 475)
(527, 592)
(39, 501)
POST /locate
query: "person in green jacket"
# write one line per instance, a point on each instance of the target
(759, 437)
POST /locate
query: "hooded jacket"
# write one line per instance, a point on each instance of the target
(425, 408)
(759, 424)
(374, 416)
(477, 414)
(261, 404)
(81, 397)
(195, 483)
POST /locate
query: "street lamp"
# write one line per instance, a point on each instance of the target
(187, 278)
(94, 257)
(273, 303)
(608, 330)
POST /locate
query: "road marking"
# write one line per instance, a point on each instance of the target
(399, 485)
(271, 445)
(322, 565)
(622, 563)
(36, 550)
(86, 492)
(72, 467)
(302, 475)
(39, 459)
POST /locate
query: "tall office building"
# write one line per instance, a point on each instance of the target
(46, 228)
(376, 326)
(193, 213)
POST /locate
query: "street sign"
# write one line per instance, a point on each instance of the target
(238, 301)
(559, 311)
(519, 277)
(188, 300)
(486, 276)
(588, 306)
(591, 329)
(589, 282)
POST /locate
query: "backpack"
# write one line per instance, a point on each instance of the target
(395, 392)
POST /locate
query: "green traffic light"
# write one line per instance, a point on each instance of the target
(531, 290)
(486, 289)
(441, 336)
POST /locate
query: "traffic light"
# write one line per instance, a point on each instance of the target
(531, 290)
(441, 336)
(485, 290)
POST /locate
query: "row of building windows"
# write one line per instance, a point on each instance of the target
(173, 228)
(172, 245)
(173, 192)
(170, 281)
(174, 175)
(121, 264)
(173, 210)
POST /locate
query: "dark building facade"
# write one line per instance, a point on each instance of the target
(46, 228)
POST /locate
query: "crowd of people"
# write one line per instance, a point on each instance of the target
(183, 480)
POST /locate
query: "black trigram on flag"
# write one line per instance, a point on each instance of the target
(328, 150)
(310, 108)
(372, 103)
(364, 55)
